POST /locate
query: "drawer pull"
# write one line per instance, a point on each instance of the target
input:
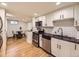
(76, 22)
(75, 46)
(57, 45)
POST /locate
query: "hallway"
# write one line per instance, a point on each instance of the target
(20, 48)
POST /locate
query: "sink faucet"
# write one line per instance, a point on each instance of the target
(61, 31)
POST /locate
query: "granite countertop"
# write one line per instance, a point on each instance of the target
(65, 38)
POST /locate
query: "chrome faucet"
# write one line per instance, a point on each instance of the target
(61, 31)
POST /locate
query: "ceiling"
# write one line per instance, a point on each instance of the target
(26, 10)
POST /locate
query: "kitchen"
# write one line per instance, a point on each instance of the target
(52, 31)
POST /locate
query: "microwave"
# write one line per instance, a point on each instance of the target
(38, 24)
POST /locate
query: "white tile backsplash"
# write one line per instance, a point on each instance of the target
(77, 35)
(67, 31)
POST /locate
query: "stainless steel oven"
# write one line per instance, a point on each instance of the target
(35, 40)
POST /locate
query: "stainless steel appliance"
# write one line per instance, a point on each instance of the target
(38, 24)
(46, 43)
(35, 40)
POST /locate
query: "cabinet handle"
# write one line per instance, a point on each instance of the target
(57, 45)
(60, 16)
(75, 46)
(76, 22)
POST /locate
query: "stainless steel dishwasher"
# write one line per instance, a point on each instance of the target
(46, 43)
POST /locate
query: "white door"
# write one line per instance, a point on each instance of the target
(76, 15)
(67, 13)
(54, 46)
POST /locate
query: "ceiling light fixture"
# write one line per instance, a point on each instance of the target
(35, 14)
(4, 4)
(58, 3)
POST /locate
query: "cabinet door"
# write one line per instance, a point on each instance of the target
(67, 13)
(76, 15)
(43, 19)
(76, 51)
(57, 15)
(54, 46)
(67, 49)
(49, 20)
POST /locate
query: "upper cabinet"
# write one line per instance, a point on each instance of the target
(43, 19)
(33, 22)
(57, 15)
(64, 13)
(76, 15)
(49, 20)
(67, 13)
(71, 12)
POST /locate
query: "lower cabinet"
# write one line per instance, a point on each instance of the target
(67, 49)
(76, 51)
(54, 46)
(62, 48)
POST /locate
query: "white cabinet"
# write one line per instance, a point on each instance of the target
(64, 13)
(57, 15)
(54, 46)
(62, 48)
(67, 13)
(33, 22)
(76, 51)
(76, 15)
(66, 49)
(43, 19)
(49, 20)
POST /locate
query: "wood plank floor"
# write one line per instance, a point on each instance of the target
(20, 48)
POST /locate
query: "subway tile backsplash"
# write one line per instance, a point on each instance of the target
(67, 31)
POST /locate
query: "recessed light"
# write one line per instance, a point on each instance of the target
(4, 4)
(35, 14)
(58, 3)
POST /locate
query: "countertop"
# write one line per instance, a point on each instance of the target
(65, 38)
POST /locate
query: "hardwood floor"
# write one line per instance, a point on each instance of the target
(20, 48)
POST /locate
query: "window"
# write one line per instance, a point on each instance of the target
(13, 22)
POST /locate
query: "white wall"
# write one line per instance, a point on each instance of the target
(15, 27)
